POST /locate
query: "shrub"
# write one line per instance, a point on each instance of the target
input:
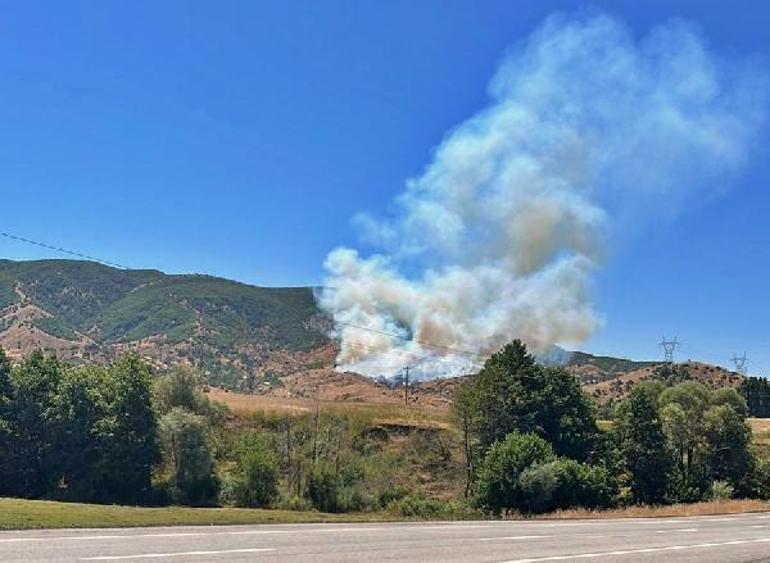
(180, 388)
(538, 484)
(418, 507)
(294, 503)
(188, 463)
(388, 496)
(354, 499)
(580, 484)
(415, 506)
(722, 490)
(228, 489)
(498, 486)
(258, 468)
(323, 489)
(759, 480)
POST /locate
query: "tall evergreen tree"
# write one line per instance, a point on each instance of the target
(513, 393)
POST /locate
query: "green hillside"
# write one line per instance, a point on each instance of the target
(606, 364)
(212, 317)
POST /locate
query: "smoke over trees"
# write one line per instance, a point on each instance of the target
(587, 129)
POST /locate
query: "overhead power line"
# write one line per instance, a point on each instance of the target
(422, 343)
(64, 251)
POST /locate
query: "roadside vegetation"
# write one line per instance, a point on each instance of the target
(522, 440)
(533, 444)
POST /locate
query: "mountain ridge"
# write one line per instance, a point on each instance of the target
(84, 310)
(241, 336)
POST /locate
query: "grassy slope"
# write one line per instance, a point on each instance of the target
(33, 514)
(606, 363)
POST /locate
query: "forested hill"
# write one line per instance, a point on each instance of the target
(85, 310)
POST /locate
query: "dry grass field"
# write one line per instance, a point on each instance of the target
(379, 413)
(760, 428)
(675, 510)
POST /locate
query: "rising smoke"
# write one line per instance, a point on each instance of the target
(500, 236)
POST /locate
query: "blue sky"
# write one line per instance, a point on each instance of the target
(239, 138)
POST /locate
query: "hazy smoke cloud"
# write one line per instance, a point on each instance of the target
(500, 235)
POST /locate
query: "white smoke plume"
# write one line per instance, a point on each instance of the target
(501, 234)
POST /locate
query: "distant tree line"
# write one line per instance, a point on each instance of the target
(756, 391)
(532, 443)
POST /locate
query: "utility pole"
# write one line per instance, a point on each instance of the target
(669, 347)
(406, 385)
(741, 363)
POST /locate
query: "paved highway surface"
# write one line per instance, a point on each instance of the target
(724, 539)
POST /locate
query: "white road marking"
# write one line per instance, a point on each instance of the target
(178, 554)
(253, 532)
(657, 521)
(457, 527)
(676, 530)
(324, 530)
(634, 551)
(513, 538)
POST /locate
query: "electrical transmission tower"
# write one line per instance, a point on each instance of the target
(669, 347)
(741, 363)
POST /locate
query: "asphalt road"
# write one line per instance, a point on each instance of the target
(724, 539)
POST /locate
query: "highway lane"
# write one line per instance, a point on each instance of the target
(733, 538)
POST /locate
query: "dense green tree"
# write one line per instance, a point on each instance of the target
(682, 410)
(641, 442)
(584, 485)
(498, 487)
(565, 416)
(730, 396)
(728, 439)
(513, 394)
(33, 385)
(78, 405)
(187, 456)
(128, 433)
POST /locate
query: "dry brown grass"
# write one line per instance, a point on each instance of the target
(761, 429)
(697, 509)
(379, 413)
